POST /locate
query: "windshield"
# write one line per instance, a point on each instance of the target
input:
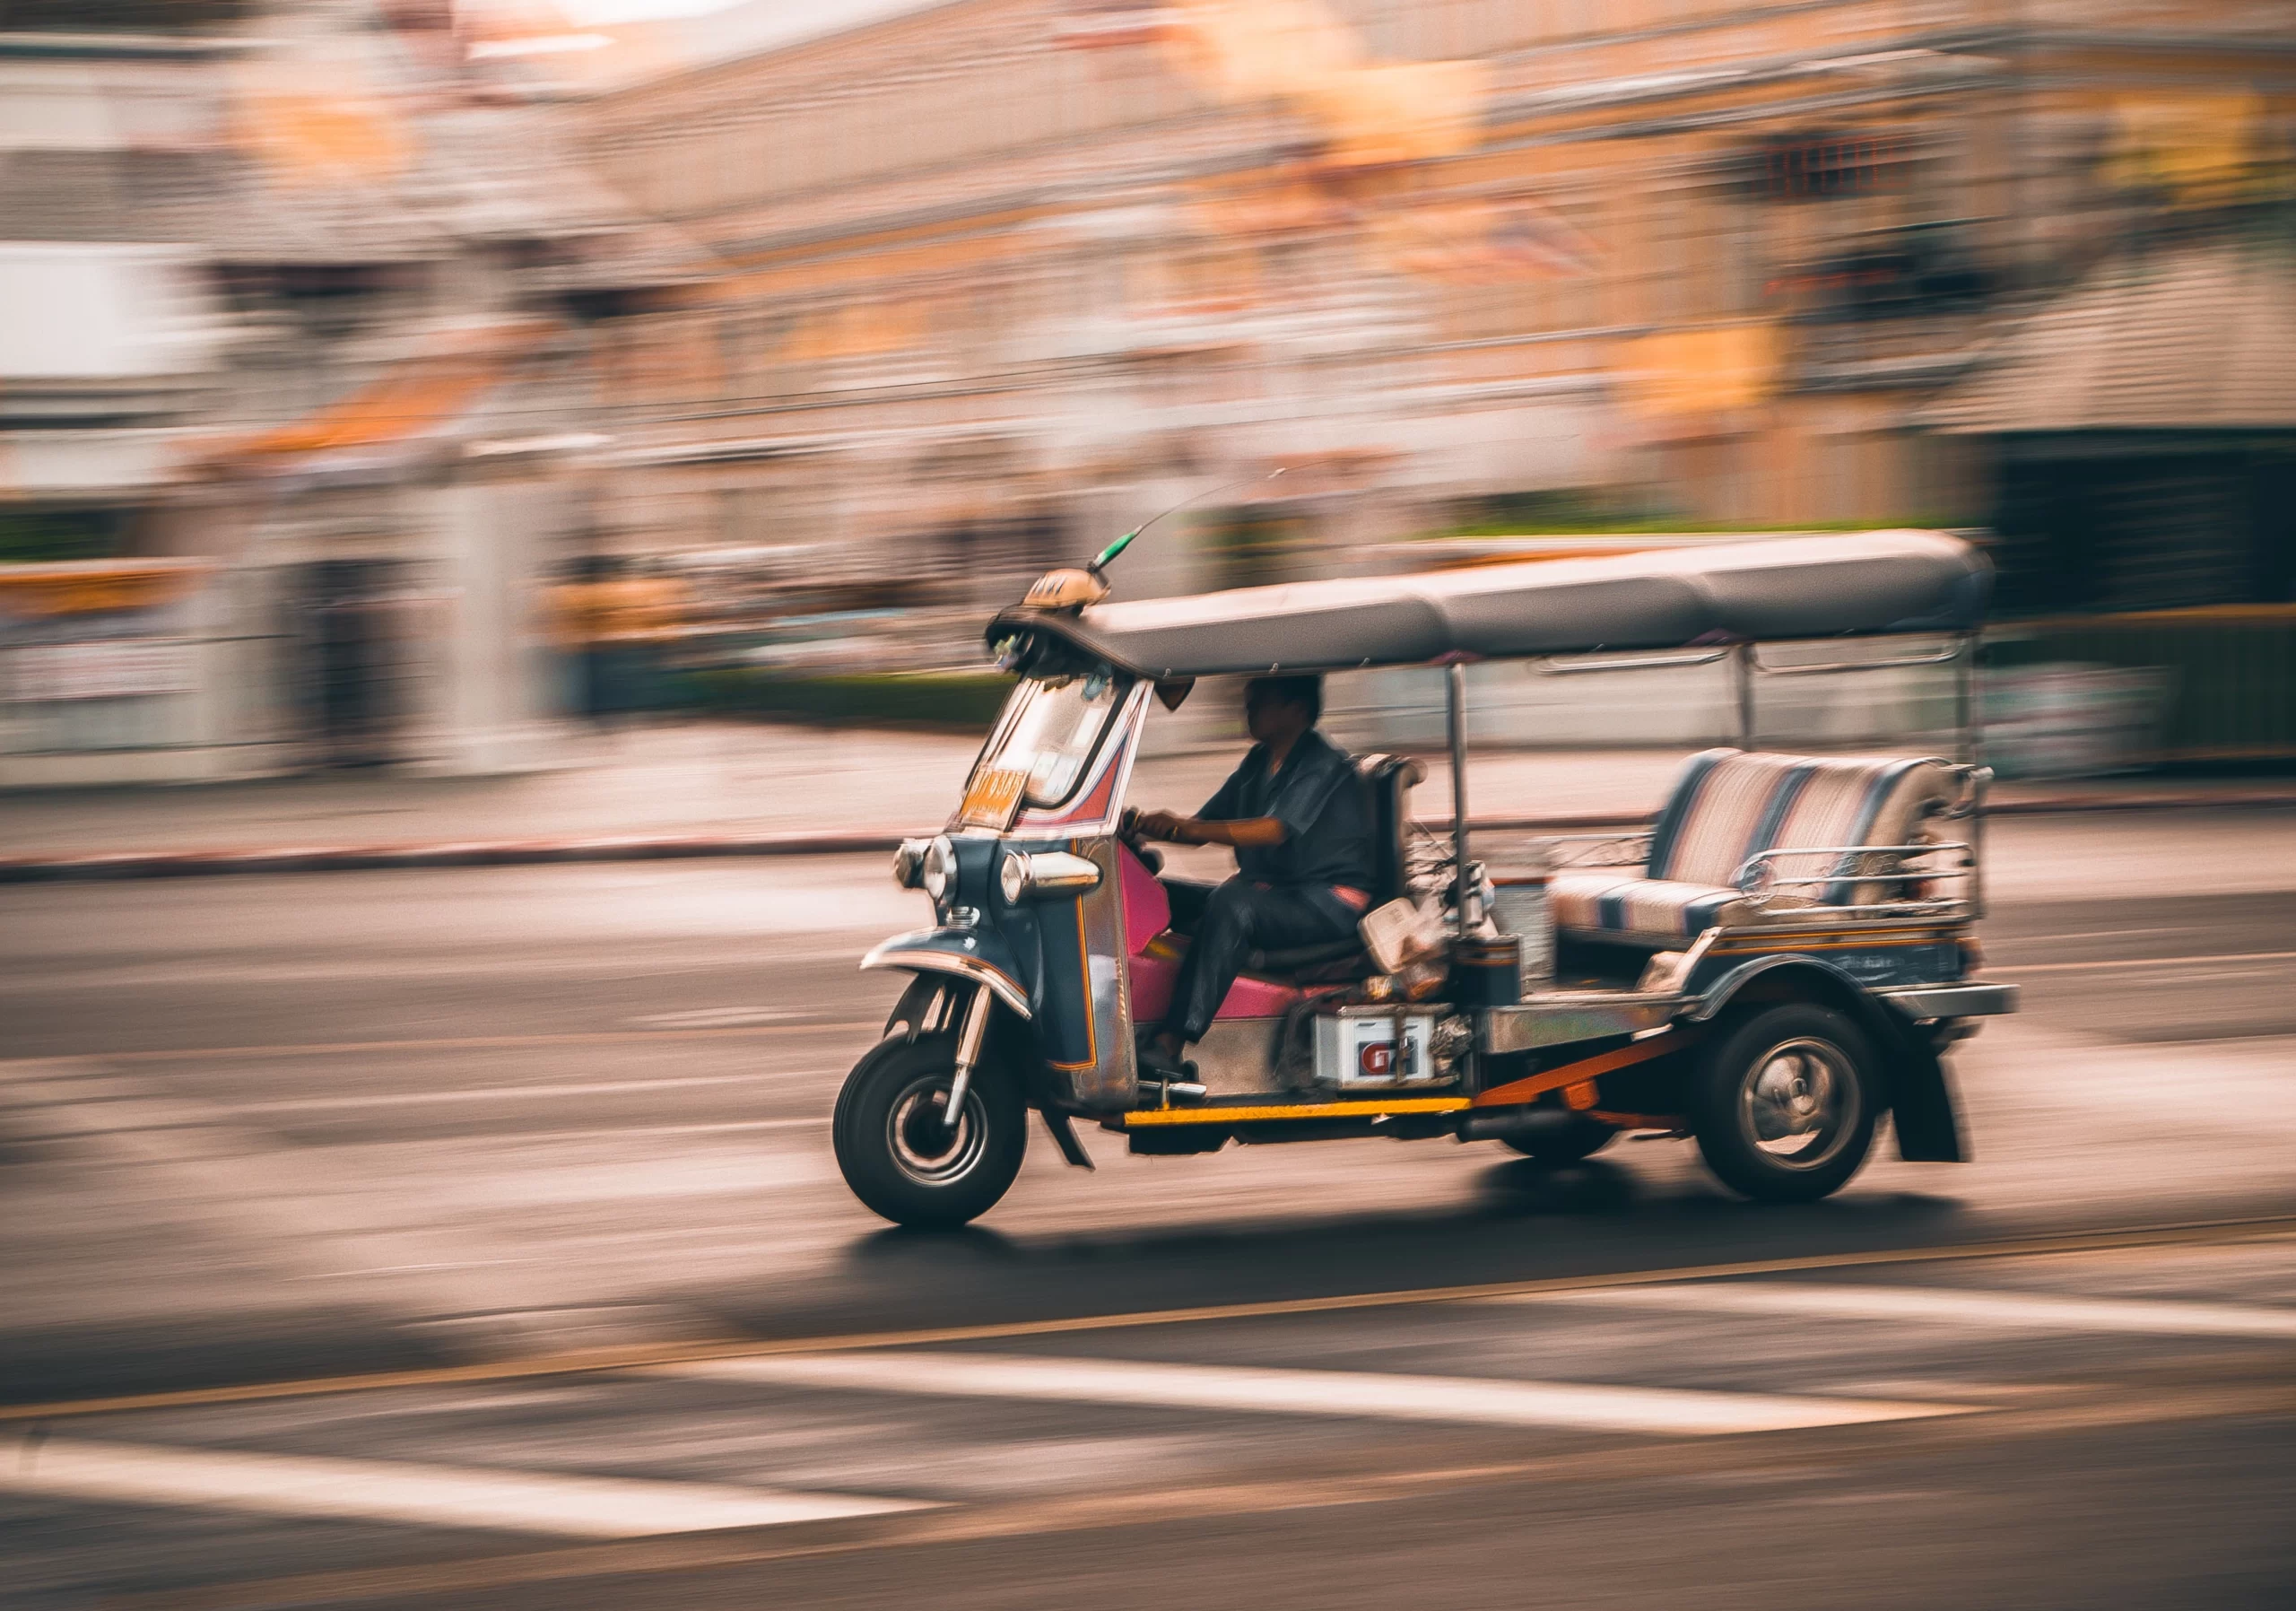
(1039, 754)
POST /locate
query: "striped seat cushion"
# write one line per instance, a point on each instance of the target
(1610, 905)
(1730, 805)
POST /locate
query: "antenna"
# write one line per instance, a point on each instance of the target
(1121, 544)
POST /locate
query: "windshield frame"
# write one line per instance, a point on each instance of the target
(991, 802)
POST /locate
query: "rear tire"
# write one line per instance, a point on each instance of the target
(1783, 1105)
(898, 1157)
(1583, 1139)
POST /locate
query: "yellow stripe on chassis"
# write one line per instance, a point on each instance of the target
(1369, 1109)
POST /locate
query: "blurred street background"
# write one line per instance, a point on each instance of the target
(398, 383)
(597, 429)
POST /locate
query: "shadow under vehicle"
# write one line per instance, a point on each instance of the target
(1780, 962)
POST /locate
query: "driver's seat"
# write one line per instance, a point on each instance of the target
(1389, 778)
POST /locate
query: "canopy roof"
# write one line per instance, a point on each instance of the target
(1871, 582)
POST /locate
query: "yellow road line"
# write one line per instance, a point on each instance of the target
(591, 1362)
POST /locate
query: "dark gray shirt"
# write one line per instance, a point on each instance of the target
(1325, 809)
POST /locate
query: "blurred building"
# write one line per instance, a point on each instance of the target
(369, 395)
(294, 331)
(1007, 275)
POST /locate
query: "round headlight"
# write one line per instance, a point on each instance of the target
(1013, 879)
(940, 866)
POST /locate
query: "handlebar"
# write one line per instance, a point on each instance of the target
(1127, 831)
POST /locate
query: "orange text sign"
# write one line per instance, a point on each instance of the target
(994, 798)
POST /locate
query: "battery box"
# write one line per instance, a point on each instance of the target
(1356, 1047)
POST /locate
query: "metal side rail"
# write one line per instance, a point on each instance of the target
(1976, 1000)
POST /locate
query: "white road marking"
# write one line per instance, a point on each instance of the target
(722, 1017)
(1666, 1412)
(486, 1094)
(730, 1126)
(1948, 1306)
(2142, 961)
(425, 1495)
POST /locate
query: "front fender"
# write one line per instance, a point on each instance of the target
(967, 952)
(1920, 1090)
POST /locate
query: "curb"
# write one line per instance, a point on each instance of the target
(499, 853)
(503, 853)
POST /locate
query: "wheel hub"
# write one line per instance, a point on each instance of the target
(925, 1147)
(1796, 1104)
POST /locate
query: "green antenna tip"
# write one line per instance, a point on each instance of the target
(1117, 547)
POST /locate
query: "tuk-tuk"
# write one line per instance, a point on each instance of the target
(1781, 959)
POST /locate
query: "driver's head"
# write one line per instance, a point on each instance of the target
(1276, 708)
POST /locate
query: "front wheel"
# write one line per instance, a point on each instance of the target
(1786, 1102)
(899, 1156)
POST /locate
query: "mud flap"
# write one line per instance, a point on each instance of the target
(1924, 1112)
(1062, 1132)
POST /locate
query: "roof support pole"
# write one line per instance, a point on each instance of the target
(1969, 747)
(1741, 678)
(1456, 707)
(1968, 740)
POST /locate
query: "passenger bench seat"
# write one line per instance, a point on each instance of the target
(1731, 805)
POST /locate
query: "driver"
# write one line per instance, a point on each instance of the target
(1300, 820)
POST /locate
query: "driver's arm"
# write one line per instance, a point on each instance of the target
(1254, 832)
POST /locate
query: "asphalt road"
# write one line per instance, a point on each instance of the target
(452, 1125)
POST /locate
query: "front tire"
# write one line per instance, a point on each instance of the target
(1785, 1104)
(899, 1157)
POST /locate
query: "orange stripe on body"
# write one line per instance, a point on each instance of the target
(1587, 1068)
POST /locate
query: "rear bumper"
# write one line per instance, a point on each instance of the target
(1979, 1000)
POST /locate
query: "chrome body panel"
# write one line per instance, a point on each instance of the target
(1237, 1057)
(1973, 1000)
(1561, 1017)
(1109, 1080)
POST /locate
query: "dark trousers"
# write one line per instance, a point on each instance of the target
(1227, 923)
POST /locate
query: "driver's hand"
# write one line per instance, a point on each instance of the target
(1159, 824)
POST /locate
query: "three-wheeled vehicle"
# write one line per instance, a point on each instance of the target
(1778, 961)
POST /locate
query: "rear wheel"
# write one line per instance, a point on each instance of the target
(898, 1154)
(1786, 1102)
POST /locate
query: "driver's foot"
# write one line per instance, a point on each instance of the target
(1159, 1054)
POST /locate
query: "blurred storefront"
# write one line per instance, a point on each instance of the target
(109, 645)
(2141, 427)
(296, 331)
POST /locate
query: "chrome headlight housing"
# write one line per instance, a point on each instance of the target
(908, 863)
(939, 872)
(1047, 873)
